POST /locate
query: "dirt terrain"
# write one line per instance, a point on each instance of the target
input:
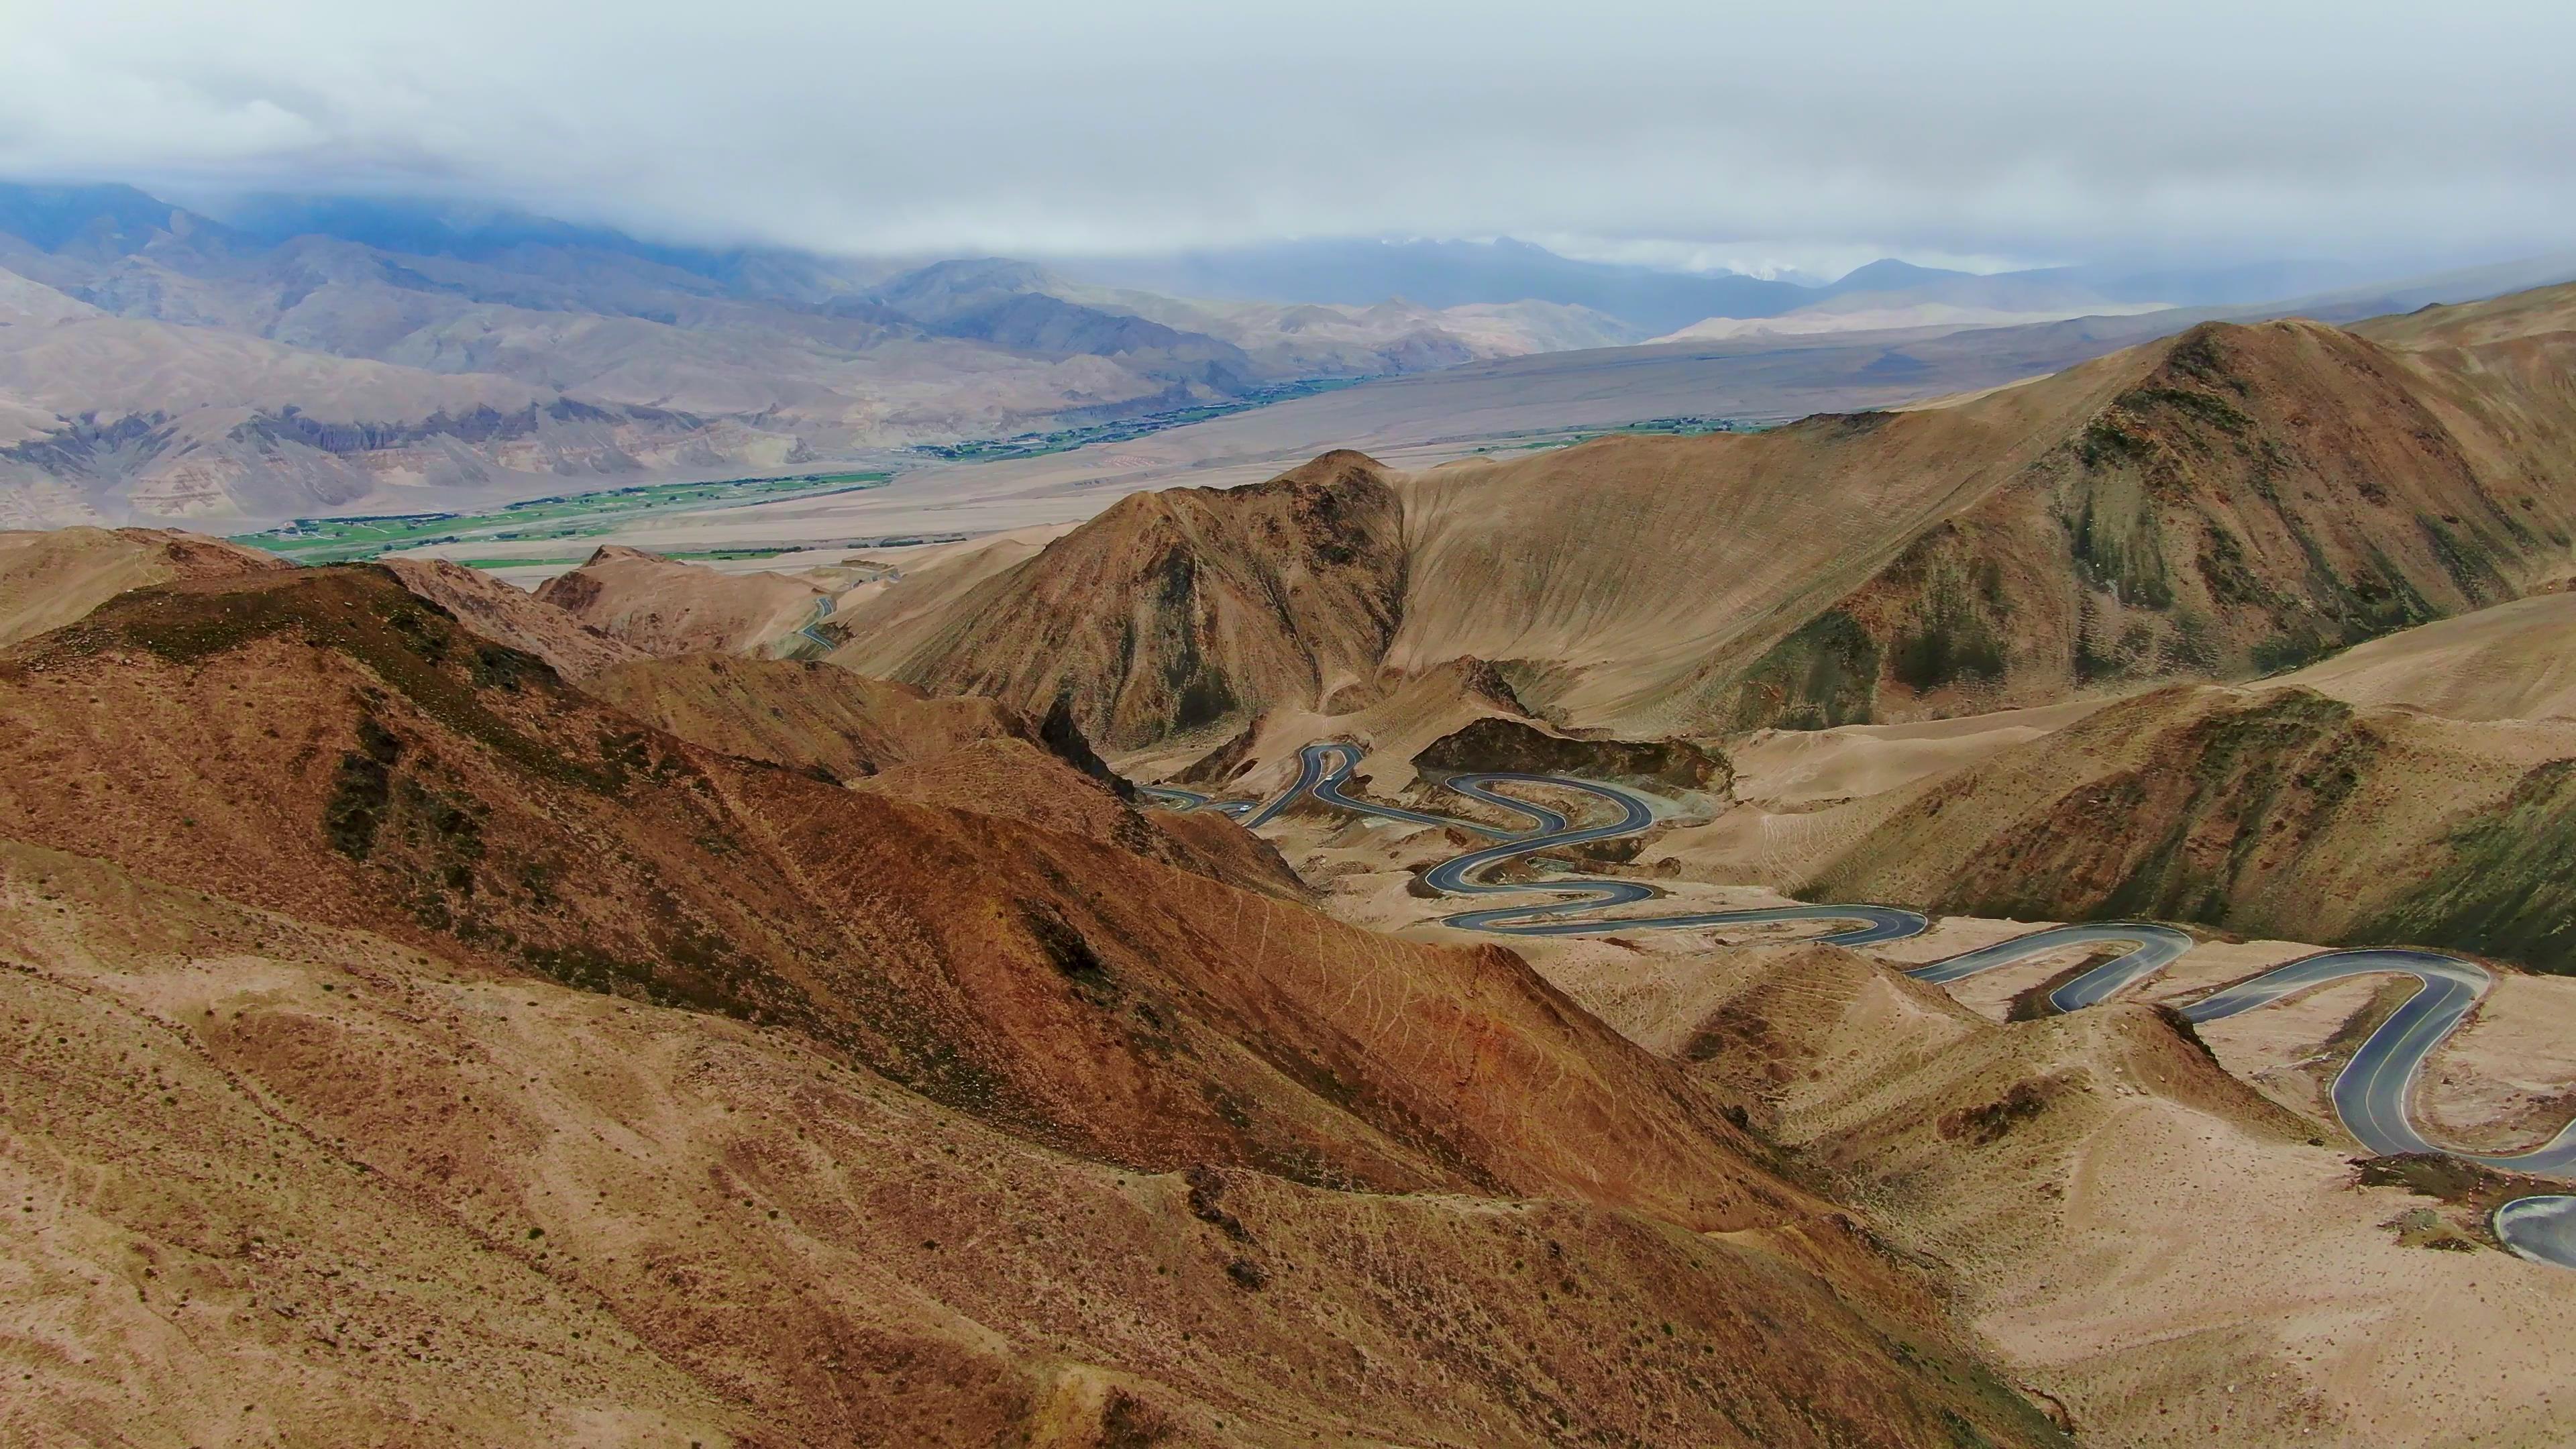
(2233, 501)
(664, 607)
(503, 614)
(2164, 1232)
(509, 1067)
(2173, 1259)
(48, 580)
(1173, 611)
(2168, 1249)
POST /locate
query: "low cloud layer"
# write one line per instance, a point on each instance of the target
(2014, 131)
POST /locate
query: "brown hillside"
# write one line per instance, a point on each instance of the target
(2276, 812)
(804, 715)
(1018, 780)
(2170, 1258)
(665, 607)
(1177, 611)
(2230, 502)
(2512, 661)
(1499, 743)
(506, 614)
(370, 797)
(49, 579)
(2256, 496)
(2226, 502)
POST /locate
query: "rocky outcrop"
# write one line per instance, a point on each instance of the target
(1496, 743)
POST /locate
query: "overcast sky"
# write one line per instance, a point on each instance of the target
(1808, 134)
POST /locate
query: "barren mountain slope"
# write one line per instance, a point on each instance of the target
(962, 753)
(2172, 1258)
(48, 579)
(1177, 611)
(509, 615)
(803, 715)
(1017, 780)
(927, 577)
(2230, 500)
(2272, 811)
(2510, 661)
(1388, 724)
(444, 822)
(2257, 496)
(130, 418)
(664, 607)
(276, 1181)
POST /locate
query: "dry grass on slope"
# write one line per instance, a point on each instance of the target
(506, 614)
(48, 579)
(2173, 1259)
(2273, 812)
(1176, 611)
(1053, 1066)
(664, 607)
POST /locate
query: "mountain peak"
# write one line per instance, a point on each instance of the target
(1889, 274)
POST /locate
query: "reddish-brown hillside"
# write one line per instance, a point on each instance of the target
(2217, 505)
(963, 1053)
(665, 607)
(509, 615)
(804, 715)
(49, 579)
(1177, 611)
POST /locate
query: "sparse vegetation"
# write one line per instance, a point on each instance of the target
(1119, 430)
(569, 515)
(1824, 674)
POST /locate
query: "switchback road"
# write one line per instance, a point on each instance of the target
(2371, 1095)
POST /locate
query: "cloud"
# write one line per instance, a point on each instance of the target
(1964, 129)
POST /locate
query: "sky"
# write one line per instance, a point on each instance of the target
(1785, 136)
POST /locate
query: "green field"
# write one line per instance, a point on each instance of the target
(1680, 427)
(1065, 440)
(564, 516)
(575, 560)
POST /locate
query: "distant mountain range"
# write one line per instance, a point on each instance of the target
(1458, 273)
(298, 356)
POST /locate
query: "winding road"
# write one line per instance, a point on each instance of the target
(2371, 1094)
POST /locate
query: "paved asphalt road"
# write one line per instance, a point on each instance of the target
(2370, 1094)
(2151, 949)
